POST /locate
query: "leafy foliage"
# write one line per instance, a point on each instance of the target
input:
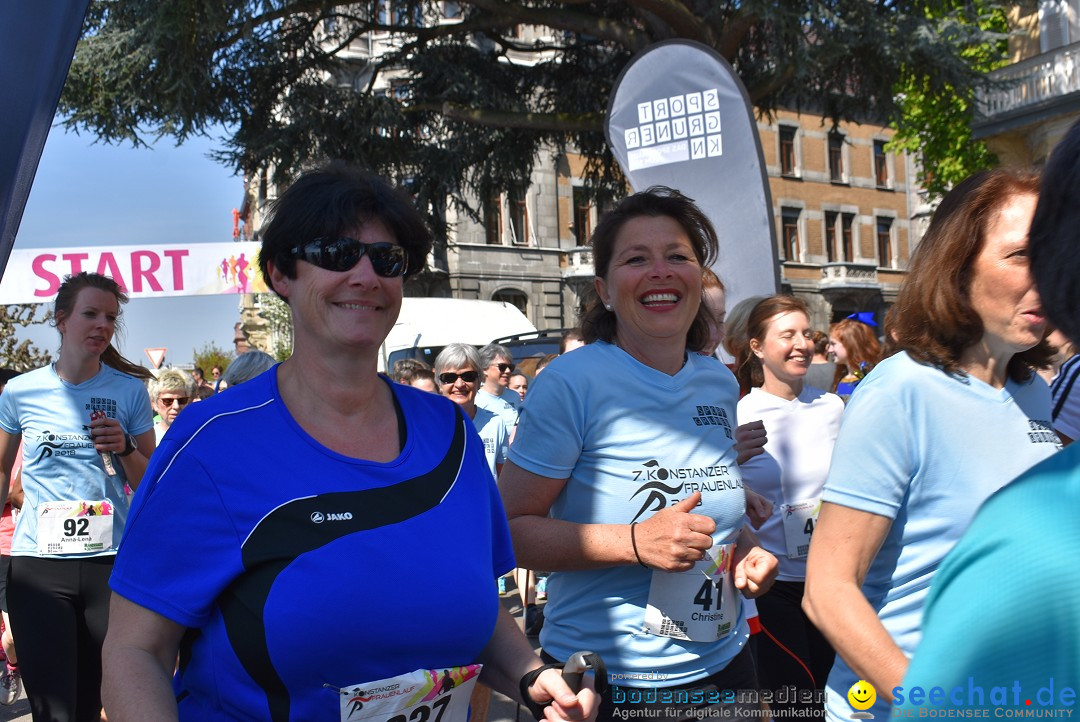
(937, 116)
(210, 356)
(279, 317)
(291, 85)
(16, 355)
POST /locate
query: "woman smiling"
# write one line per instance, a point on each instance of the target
(801, 423)
(623, 480)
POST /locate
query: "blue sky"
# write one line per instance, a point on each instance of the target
(88, 194)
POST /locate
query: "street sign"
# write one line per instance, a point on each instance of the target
(156, 355)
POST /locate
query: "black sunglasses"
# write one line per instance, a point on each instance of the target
(503, 368)
(468, 377)
(341, 254)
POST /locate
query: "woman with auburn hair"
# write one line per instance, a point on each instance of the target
(933, 432)
(87, 431)
(802, 423)
(856, 350)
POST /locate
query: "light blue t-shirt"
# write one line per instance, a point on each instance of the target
(631, 440)
(925, 449)
(493, 433)
(511, 397)
(59, 460)
(500, 407)
(1002, 612)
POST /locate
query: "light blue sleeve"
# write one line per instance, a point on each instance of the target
(551, 430)
(9, 415)
(139, 417)
(874, 458)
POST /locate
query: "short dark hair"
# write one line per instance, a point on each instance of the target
(330, 199)
(1053, 241)
(598, 322)
(935, 321)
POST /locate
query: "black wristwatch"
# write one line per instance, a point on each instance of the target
(130, 447)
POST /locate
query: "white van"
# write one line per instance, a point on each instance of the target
(426, 325)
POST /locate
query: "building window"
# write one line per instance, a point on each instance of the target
(582, 218)
(836, 158)
(790, 233)
(847, 236)
(519, 218)
(881, 164)
(787, 151)
(514, 297)
(884, 242)
(831, 217)
(493, 221)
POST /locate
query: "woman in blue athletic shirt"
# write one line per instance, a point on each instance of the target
(623, 479)
(290, 531)
(933, 431)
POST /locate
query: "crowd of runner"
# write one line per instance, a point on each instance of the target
(770, 537)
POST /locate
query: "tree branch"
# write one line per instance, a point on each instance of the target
(550, 122)
(683, 22)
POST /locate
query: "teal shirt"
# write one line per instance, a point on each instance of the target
(1002, 621)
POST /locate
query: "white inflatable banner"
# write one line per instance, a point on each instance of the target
(194, 269)
(680, 117)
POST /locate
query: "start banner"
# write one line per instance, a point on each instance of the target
(193, 269)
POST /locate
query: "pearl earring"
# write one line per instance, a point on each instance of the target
(607, 306)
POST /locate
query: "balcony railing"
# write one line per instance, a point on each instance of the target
(579, 263)
(1030, 84)
(847, 275)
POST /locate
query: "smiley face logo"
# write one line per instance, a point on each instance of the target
(862, 695)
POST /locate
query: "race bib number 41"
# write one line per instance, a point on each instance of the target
(426, 695)
(74, 527)
(698, 605)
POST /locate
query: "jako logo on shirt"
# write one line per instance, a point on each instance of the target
(318, 517)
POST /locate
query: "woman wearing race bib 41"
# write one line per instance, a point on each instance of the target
(623, 480)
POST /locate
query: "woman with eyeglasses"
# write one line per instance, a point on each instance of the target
(87, 431)
(623, 479)
(170, 392)
(309, 498)
(457, 372)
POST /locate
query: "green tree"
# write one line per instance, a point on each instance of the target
(211, 356)
(936, 115)
(15, 354)
(462, 122)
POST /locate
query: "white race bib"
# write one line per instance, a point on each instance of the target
(426, 695)
(698, 605)
(800, 519)
(74, 527)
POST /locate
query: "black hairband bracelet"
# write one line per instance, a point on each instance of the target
(572, 672)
